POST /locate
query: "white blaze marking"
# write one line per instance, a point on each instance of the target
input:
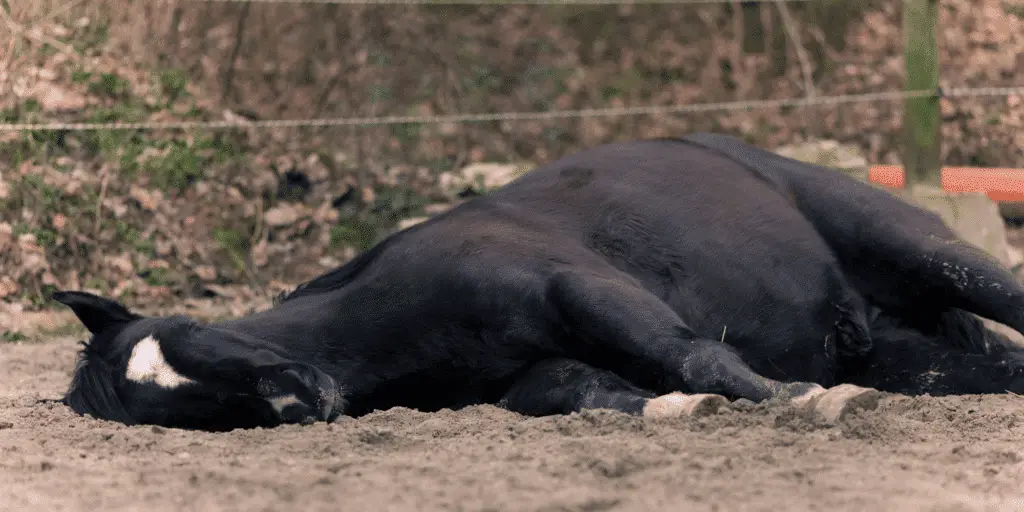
(147, 364)
(280, 402)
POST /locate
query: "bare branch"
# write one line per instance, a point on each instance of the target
(229, 76)
(37, 35)
(798, 46)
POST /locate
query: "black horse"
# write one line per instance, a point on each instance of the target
(651, 277)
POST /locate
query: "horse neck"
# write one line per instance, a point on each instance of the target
(296, 326)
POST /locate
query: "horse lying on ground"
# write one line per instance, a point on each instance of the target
(652, 277)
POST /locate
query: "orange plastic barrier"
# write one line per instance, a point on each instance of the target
(1000, 184)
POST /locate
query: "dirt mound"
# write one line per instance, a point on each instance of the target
(929, 454)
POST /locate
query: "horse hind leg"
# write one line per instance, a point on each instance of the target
(965, 277)
(909, 361)
(900, 255)
(564, 386)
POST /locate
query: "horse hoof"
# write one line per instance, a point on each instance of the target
(838, 402)
(674, 405)
(807, 396)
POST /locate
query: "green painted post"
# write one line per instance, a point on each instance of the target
(921, 118)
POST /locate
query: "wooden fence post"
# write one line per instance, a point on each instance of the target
(921, 118)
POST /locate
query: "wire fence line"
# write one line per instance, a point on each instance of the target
(956, 92)
(496, 2)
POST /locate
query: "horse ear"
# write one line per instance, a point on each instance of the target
(96, 313)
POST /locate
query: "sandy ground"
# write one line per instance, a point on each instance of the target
(948, 454)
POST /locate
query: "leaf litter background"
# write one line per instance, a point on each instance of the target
(214, 223)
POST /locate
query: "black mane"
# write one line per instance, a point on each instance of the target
(92, 390)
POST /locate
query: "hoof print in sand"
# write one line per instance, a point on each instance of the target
(836, 403)
(674, 405)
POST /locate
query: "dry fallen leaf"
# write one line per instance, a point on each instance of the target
(281, 215)
(59, 221)
(147, 199)
(206, 272)
(122, 263)
(7, 287)
(56, 98)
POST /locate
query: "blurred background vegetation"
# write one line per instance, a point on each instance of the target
(170, 215)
